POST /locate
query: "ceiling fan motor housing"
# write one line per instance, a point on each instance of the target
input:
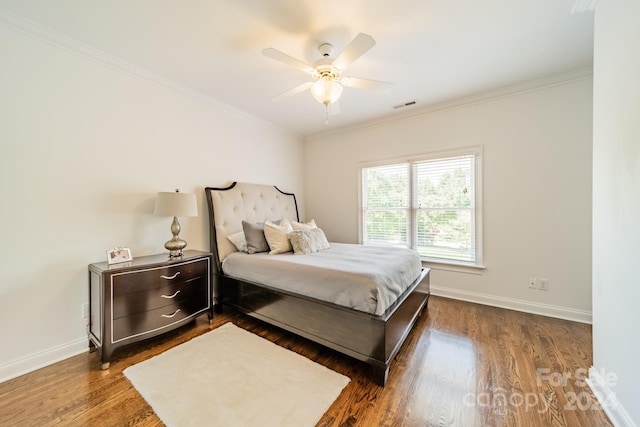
(325, 69)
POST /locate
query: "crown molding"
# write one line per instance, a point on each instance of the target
(46, 35)
(49, 36)
(478, 98)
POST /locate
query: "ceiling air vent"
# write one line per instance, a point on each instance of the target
(406, 104)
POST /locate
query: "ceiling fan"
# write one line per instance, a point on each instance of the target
(327, 72)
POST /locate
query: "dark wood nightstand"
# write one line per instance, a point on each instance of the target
(146, 297)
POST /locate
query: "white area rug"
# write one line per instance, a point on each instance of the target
(231, 377)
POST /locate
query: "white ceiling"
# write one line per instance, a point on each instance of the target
(432, 50)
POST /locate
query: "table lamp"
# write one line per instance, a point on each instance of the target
(176, 204)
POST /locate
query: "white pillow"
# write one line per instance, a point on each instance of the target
(239, 241)
(277, 236)
(304, 226)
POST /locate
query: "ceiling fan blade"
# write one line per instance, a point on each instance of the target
(288, 60)
(354, 50)
(294, 91)
(359, 83)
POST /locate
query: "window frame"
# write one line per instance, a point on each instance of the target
(477, 152)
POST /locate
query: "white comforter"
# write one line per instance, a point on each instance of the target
(365, 278)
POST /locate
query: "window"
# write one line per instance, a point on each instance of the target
(430, 203)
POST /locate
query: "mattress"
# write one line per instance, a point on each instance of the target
(364, 278)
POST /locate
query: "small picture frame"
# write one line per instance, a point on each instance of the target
(117, 255)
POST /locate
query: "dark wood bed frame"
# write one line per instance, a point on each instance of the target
(366, 337)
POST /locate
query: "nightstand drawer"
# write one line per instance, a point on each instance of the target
(155, 278)
(153, 320)
(166, 295)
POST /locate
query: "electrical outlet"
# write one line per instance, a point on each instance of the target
(533, 283)
(85, 311)
(543, 284)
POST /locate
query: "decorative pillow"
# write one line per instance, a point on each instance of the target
(308, 241)
(304, 226)
(277, 236)
(239, 241)
(254, 235)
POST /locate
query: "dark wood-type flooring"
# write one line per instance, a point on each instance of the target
(462, 365)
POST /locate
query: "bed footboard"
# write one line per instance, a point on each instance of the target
(369, 338)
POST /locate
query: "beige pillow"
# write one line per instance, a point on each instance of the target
(277, 236)
(304, 226)
(308, 241)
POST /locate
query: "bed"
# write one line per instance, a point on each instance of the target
(300, 294)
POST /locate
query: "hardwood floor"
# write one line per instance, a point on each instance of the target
(462, 365)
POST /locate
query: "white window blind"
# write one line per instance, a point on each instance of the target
(427, 203)
(445, 202)
(386, 200)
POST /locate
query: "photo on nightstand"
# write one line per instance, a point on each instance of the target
(117, 255)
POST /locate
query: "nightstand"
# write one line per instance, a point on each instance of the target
(146, 297)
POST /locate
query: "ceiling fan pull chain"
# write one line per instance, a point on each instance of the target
(326, 114)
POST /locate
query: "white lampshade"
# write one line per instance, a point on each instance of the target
(176, 204)
(326, 91)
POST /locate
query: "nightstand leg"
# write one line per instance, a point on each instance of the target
(105, 365)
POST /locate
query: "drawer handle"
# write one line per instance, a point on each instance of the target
(169, 316)
(170, 296)
(171, 277)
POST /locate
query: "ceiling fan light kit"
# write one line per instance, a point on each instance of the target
(327, 72)
(326, 91)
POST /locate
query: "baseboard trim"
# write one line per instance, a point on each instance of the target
(608, 400)
(32, 362)
(558, 312)
(35, 361)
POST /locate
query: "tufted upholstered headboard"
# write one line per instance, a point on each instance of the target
(241, 201)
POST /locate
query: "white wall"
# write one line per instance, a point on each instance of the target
(616, 209)
(537, 190)
(86, 145)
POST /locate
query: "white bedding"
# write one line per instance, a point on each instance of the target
(365, 278)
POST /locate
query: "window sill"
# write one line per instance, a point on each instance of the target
(458, 267)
